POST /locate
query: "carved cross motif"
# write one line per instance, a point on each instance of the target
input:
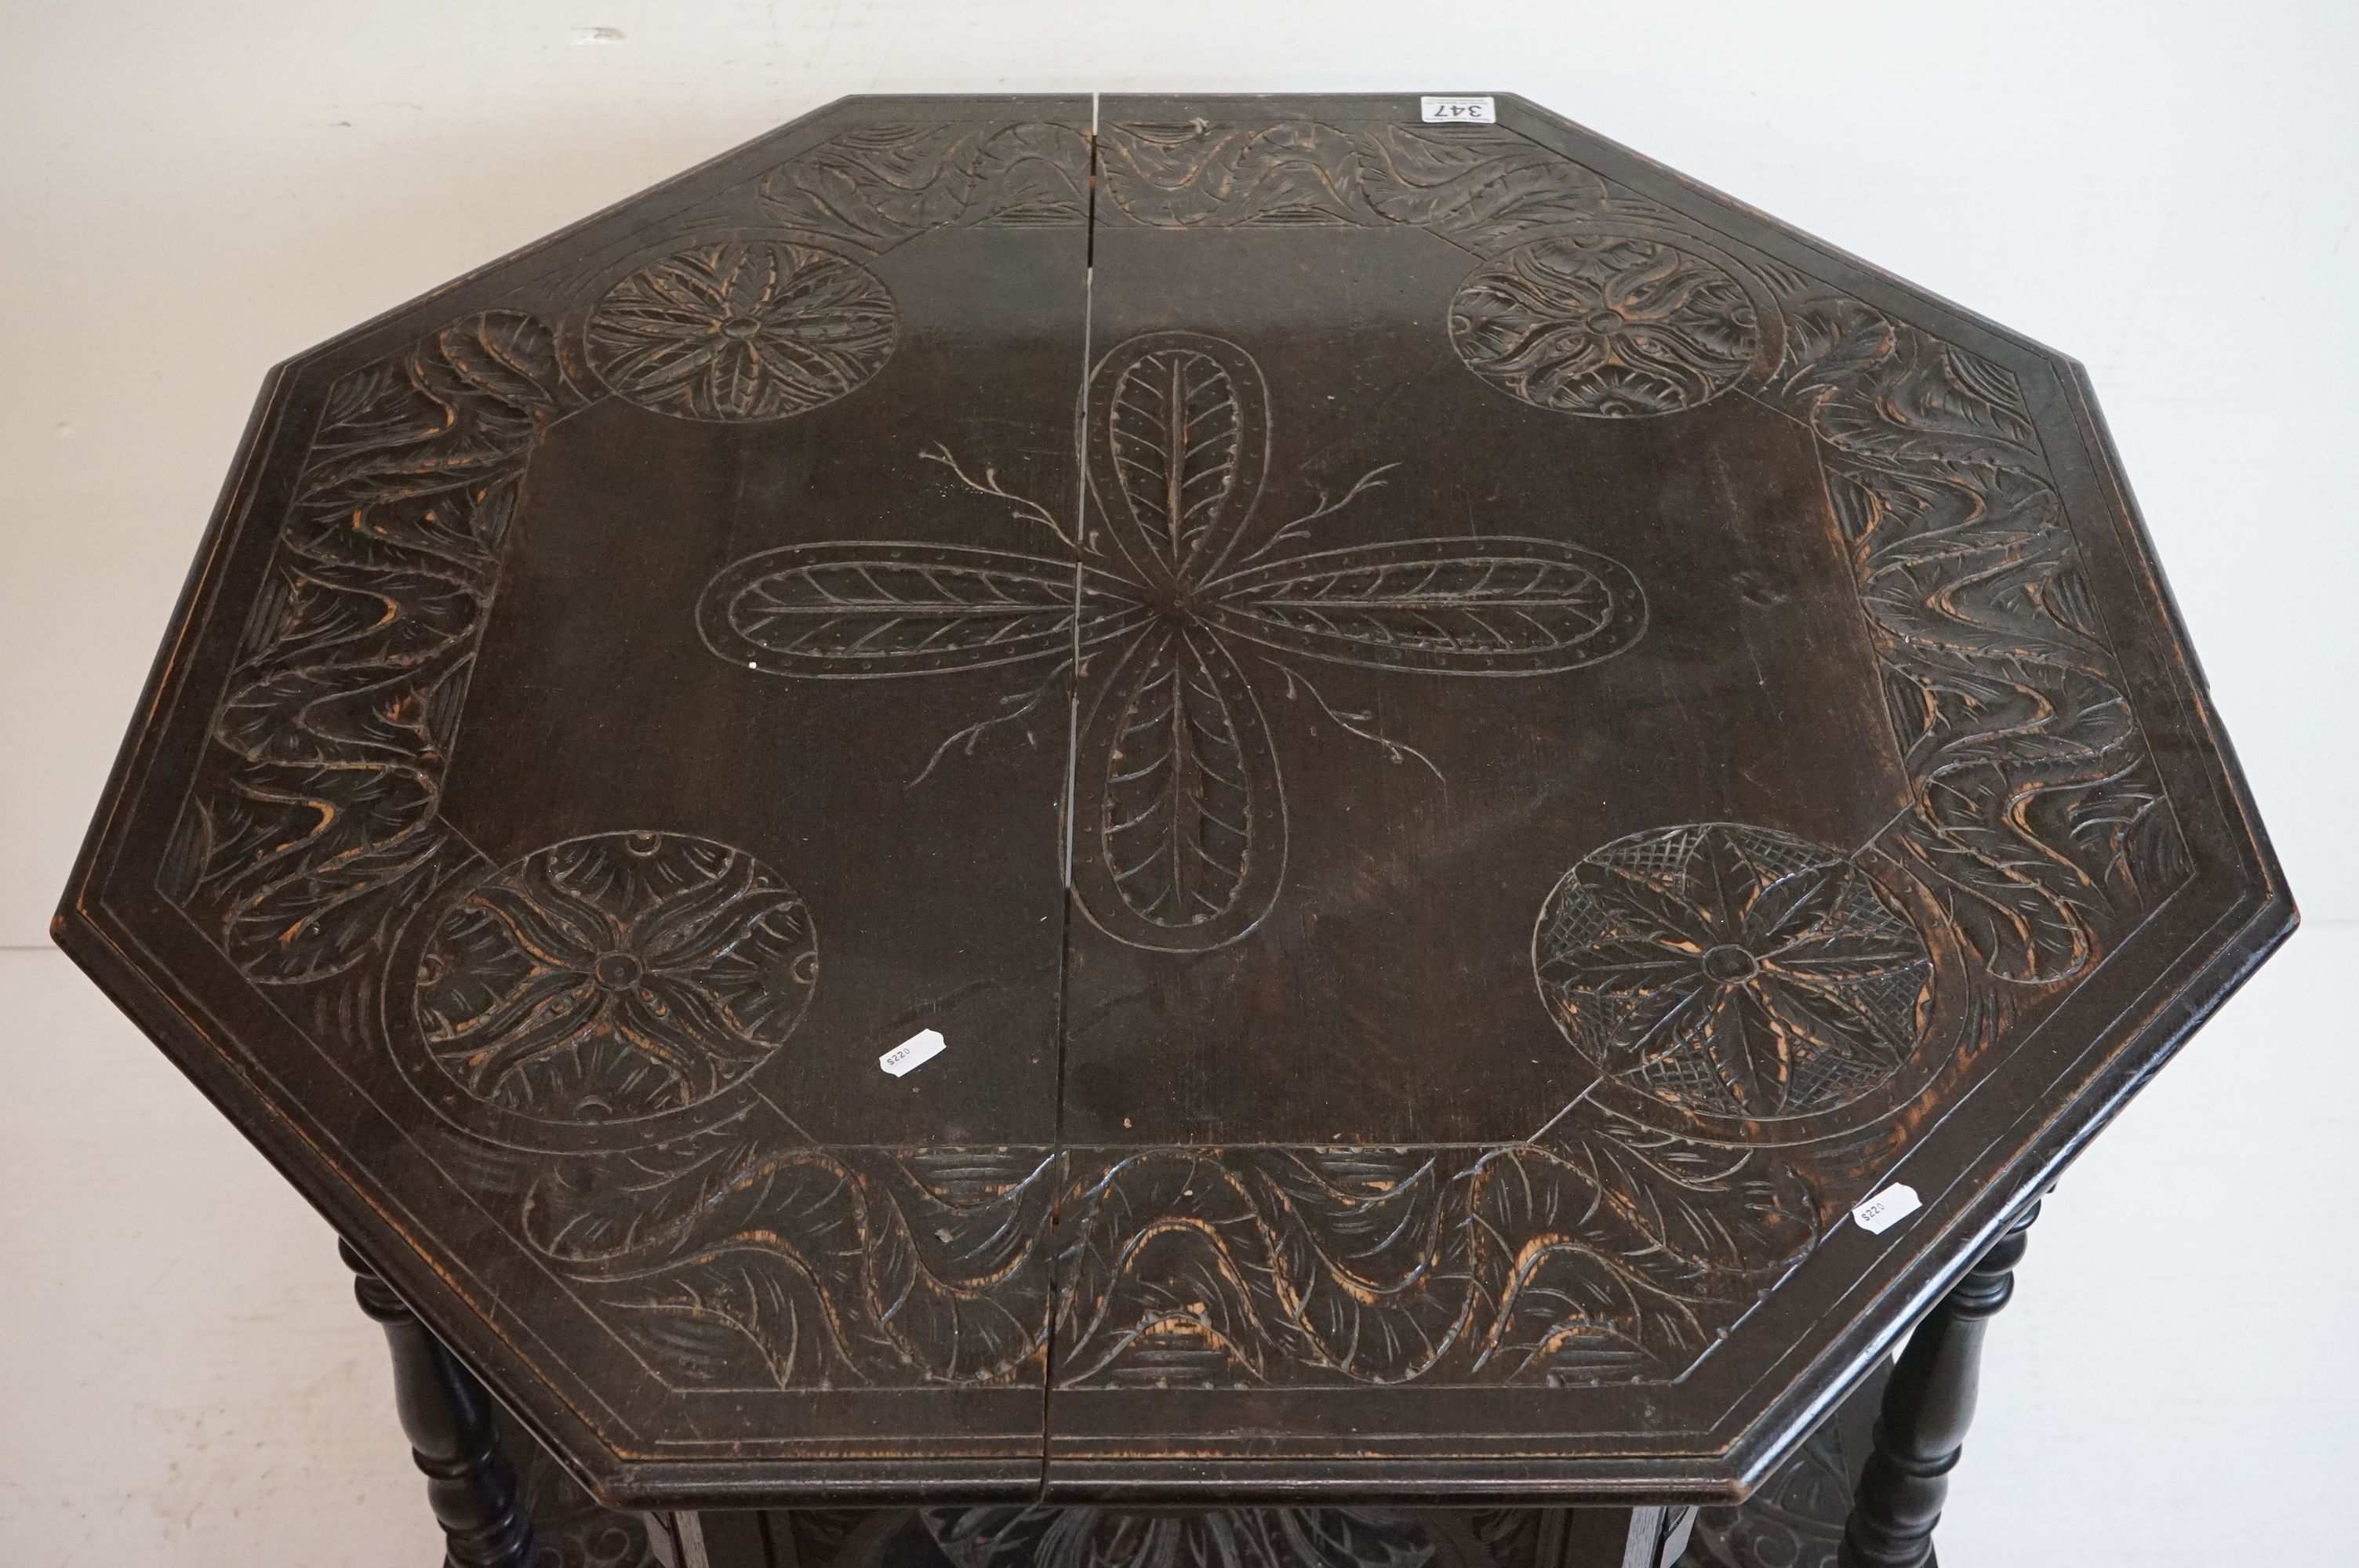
(1179, 810)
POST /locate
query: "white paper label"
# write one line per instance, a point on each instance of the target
(913, 1052)
(1459, 111)
(1886, 1208)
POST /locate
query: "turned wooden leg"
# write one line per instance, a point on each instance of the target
(447, 1418)
(1927, 1406)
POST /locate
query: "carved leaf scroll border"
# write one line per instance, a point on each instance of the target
(314, 826)
(1598, 1255)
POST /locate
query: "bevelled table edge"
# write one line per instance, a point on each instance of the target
(1727, 1475)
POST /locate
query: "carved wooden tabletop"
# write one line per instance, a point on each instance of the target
(1465, 744)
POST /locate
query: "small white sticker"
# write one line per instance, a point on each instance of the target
(913, 1052)
(1459, 111)
(1886, 1208)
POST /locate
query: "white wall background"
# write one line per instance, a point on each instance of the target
(189, 191)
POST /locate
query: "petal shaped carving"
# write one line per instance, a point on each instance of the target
(1183, 828)
(1482, 606)
(849, 611)
(1177, 444)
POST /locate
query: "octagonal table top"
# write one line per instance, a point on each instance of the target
(1462, 745)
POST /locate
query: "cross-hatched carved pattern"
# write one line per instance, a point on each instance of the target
(1604, 326)
(1182, 819)
(741, 329)
(615, 976)
(1733, 970)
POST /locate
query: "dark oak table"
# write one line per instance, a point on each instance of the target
(1464, 746)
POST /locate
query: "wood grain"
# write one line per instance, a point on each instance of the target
(1468, 744)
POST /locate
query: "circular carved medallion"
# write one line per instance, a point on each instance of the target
(1605, 326)
(615, 976)
(1734, 971)
(741, 329)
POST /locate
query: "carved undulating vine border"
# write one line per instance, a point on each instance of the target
(313, 825)
(1598, 1253)
(1604, 1252)
(731, 1260)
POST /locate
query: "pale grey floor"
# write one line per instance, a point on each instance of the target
(189, 192)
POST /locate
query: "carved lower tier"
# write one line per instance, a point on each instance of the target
(1795, 1520)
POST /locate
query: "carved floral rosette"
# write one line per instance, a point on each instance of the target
(1739, 985)
(739, 327)
(599, 991)
(312, 850)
